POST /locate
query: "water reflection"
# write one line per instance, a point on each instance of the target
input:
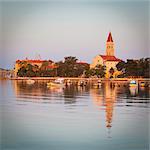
(69, 117)
(133, 91)
(104, 97)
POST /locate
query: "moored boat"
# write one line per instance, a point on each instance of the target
(30, 81)
(133, 83)
(97, 84)
(57, 83)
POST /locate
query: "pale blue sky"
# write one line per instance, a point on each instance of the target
(59, 28)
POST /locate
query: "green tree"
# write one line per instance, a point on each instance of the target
(121, 66)
(111, 71)
(29, 71)
(22, 72)
(98, 71)
(68, 67)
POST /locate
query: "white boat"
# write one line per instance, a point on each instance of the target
(57, 83)
(81, 83)
(133, 83)
(30, 81)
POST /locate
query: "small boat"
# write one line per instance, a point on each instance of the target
(57, 83)
(81, 83)
(68, 82)
(30, 81)
(133, 83)
(98, 84)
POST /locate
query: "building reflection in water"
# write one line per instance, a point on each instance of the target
(110, 98)
(105, 96)
(37, 92)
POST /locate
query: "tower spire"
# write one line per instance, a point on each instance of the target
(109, 39)
(110, 45)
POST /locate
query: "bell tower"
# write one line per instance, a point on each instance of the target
(110, 46)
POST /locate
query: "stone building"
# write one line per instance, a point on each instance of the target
(109, 60)
(37, 62)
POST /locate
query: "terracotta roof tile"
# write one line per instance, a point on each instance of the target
(30, 61)
(109, 58)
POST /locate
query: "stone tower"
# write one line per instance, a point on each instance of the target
(110, 46)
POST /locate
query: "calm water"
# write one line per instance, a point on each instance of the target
(33, 117)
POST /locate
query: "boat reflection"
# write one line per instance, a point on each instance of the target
(104, 97)
(133, 91)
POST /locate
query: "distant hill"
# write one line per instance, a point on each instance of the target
(4, 69)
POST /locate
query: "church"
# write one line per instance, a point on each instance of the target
(109, 60)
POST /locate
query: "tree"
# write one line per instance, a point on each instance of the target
(121, 66)
(98, 71)
(22, 72)
(134, 68)
(146, 67)
(68, 67)
(111, 71)
(131, 68)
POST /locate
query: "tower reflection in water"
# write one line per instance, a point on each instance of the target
(106, 96)
(103, 97)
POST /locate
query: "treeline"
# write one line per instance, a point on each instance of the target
(70, 67)
(134, 68)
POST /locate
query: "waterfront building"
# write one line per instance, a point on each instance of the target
(35, 62)
(109, 60)
(4, 74)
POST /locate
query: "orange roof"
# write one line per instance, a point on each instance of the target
(31, 61)
(109, 39)
(109, 58)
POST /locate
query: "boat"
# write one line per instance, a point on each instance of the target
(56, 83)
(98, 84)
(68, 82)
(81, 83)
(133, 83)
(30, 81)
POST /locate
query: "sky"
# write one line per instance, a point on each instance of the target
(54, 29)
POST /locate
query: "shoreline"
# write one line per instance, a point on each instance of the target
(78, 78)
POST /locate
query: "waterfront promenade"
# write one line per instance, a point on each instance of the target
(74, 79)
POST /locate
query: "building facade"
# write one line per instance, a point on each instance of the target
(19, 63)
(109, 60)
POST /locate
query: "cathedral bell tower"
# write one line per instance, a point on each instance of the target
(110, 46)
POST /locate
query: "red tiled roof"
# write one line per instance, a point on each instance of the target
(31, 61)
(109, 58)
(109, 39)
